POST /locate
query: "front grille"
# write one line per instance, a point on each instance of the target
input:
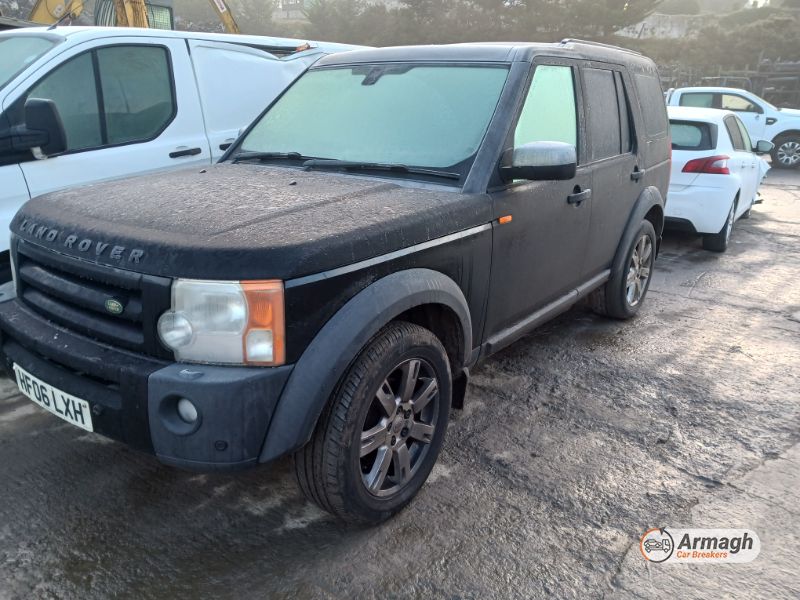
(76, 294)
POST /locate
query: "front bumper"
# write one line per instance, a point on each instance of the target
(133, 397)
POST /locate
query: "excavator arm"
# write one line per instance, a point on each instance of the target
(129, 13)
(48, 12)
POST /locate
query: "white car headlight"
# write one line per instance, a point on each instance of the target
(225, 322)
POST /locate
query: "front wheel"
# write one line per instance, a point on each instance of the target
(786, 153)
(378, 439)
(623, 295)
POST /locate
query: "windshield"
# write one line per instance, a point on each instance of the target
(425, 116)
(17, 52)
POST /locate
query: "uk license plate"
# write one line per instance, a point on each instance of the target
(71, 409)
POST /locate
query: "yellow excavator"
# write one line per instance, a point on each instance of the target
(124, 13)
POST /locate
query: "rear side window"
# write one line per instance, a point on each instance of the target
(697, 99)
(735, 133)
(748, 144)
(690, 135)
(651, 98)
(549, 113)
(602, 113)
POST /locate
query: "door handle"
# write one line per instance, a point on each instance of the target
(189, 152)
(578, 196)
(637, 174)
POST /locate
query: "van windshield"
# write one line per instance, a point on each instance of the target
(17, 52)
(431, 116)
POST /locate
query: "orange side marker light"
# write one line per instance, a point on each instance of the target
(505, 219)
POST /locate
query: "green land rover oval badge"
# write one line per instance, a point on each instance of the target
(114, 306)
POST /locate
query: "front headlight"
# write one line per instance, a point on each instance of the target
(226, 322)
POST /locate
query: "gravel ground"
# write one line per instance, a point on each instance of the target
(572, 443)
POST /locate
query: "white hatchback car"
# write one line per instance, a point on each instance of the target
(716, 172)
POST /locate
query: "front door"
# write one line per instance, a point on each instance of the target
(538, 255)
(751, 114)
(127, 109)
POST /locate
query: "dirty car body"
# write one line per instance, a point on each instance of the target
(462, 246)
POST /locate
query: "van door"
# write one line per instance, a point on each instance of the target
(127, 108)
(613, 152)
(236, 84)
(539, 253)
(13, 193)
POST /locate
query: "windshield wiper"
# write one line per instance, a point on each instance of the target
(269, 155)
(352, 165)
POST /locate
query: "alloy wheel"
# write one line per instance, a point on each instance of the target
(639, 270)
(399, 427)
(729, 224)
(789, 153)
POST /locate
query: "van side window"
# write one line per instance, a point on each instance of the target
(549, 113)
(72, 87)
(602, 113)
(137, 92)
(736, 135)
(134, 101)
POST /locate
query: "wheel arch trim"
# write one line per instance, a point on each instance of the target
(649, 199)
(341, 339)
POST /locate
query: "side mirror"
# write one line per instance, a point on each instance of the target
(763, 147)
(542, 161)
(43, 132)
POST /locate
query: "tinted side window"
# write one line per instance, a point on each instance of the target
(737, 103)
(748, 144)
(549, 113)
(602, 113)
(690, 135)
(651, 99)
(134, 103)
(699, 99)
(137, 92)
(733, 131)
(72, 87)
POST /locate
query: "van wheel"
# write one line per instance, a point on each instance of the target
(718, 242)
(624, 293)
(786, 153)
(378, 439)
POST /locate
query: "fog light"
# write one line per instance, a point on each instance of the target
(187, 410)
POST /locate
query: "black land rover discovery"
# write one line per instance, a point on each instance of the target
(395, 216)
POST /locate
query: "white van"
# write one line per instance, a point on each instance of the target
(130, 101)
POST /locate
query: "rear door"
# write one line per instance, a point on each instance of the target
(615, 159)
(538, 256)
(127, 108)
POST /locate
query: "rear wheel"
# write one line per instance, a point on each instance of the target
(624, 293)
(381, 434)
(786, 153)
(718, 242)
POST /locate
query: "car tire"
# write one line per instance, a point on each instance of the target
(718, 242)
(786, 153)
(615, 299)
(362, 463)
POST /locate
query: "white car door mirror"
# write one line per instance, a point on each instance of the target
(763, 147)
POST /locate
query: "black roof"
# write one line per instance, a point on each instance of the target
(489, 52)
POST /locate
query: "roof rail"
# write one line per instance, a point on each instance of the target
(599, 44)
